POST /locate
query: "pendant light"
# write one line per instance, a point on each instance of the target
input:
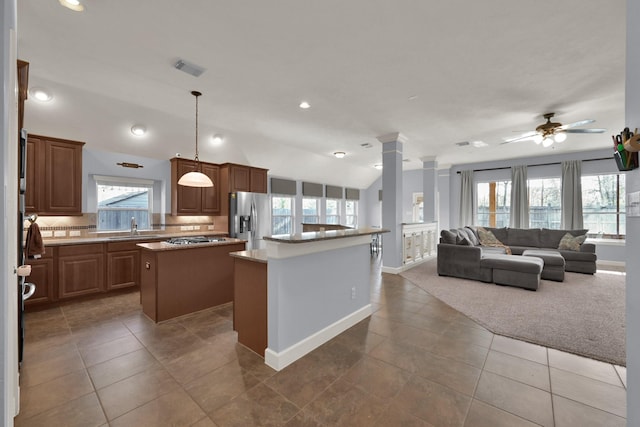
(195, 178)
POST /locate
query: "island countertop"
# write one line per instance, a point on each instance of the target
(164, 246)
(256, 255)
(317, 236)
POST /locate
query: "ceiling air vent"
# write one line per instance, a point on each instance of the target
(366, 145)
(462, 144)
(189, 68)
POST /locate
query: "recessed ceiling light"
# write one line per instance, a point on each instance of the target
(339, 154)
(74, 5)
(217, 139)
(138, 130)
(412, 97)
(378, 166)
(304, 105)
(479, 144)
(41, 94)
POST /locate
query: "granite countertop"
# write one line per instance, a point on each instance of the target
(316, 236)
(164, 246)
(125, 238)
(257, 255)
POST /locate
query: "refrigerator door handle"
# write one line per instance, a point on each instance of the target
(254, 219)
(27, 294)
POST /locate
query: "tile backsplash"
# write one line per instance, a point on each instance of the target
(53, 227)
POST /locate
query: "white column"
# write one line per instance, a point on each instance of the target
(430, 189)
(392, 200)
(632, 120)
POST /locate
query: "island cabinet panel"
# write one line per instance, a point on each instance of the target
(42, 275)
(186, 280)
(80, 270)
(54, 176)
(250, 304)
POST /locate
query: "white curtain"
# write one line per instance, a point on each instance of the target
(519, 216)
(466, 198)
(572, 195)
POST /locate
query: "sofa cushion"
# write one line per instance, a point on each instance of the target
(523, 237)
(500, 233)
(551, 238)
(571, 242)
(447, 236)
(463, 241)
(487, 238)
(464, 233)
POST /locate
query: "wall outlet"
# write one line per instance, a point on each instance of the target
(353, 293)
(74, 233)
(210, 227)
(46, 233)
(184, 227)
(59, 233)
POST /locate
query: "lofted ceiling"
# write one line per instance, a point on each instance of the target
(440, 73)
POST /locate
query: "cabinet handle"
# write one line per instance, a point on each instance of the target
(147, 265)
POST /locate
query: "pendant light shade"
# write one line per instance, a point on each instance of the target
(195, 178)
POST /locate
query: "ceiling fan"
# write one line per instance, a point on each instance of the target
(550, 132)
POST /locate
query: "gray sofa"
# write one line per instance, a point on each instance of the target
(460, 253)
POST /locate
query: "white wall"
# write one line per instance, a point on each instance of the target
(411, 183)
(632, 119)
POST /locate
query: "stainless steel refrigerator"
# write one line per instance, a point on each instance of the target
(250, 218)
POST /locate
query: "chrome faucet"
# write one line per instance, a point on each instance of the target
(134, 226)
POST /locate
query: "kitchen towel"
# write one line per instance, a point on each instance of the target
(34, 245)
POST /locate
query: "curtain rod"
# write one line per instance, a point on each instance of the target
(539, 164)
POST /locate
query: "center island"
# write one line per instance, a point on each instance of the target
(318, 284)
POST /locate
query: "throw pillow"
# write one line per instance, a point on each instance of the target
(463, 241)
(571, 243)
(487, 238)
(473, 235)
(447, 236)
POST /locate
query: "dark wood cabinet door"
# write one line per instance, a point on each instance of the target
(189, 199)
(258, 180)
(35, 168)
(240, 179)
(62, 178)
(211, 195)
(123, 269)
(80, 270)
(41, 276)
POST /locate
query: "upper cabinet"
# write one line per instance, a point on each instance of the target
(54, 176)
(23, 87)
(194, 200)
(244, 178)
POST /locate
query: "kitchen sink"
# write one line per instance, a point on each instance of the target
(136, 237)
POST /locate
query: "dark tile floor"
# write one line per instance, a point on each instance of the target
(414, 362)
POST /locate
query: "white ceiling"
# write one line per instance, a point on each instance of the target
(437, 72)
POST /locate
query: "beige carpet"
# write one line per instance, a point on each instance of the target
(584, 315)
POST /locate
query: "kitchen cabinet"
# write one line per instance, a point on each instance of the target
(54, 176)
(23, 88)
(42, 275)
(123, 265)
(80, 270)
(244, 178)
(194, 200)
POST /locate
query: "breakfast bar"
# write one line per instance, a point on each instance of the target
(318, 284)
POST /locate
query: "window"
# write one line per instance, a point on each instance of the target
(545, 203)
(120, 199)
(493, 200)
(352, 213)
(333, 211)
(282, 214)
(310, 210)
(603, 205)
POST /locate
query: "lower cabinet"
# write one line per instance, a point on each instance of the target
(123, 265)
(42, 276)
(80, 270)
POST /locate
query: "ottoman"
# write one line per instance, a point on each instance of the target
(553, 263)
(514, 270)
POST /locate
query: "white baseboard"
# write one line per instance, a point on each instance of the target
(607, 263)
(398, 270)
(279, 361)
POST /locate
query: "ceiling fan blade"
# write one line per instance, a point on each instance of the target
(586, 130)
(522, 137)
(575, 124)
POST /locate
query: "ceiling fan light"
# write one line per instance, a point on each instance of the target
(195, 179)
(560, 137)
(537, 139)
(547, 142)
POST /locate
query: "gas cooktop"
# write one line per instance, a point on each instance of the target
(192, 240)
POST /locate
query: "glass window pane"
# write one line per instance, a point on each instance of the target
(500, 192)
(117, 204)
(545, 208)
(333, 211)
(310, 210)
(281, 215)
(603, 205)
